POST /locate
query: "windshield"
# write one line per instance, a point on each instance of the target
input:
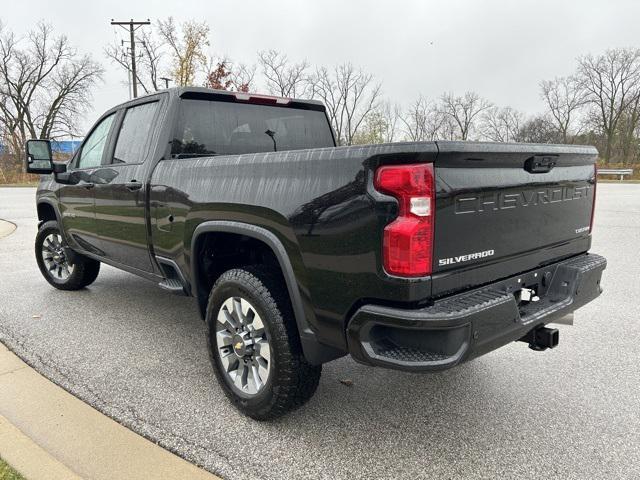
(207, 127)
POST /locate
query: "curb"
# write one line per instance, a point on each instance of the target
(26, 457)
(7, 228)
(47, 433)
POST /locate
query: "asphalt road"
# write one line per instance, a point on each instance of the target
(139, 355)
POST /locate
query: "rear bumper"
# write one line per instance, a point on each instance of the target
(464, 326)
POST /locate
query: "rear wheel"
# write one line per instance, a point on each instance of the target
(62, 268)
(254, 344)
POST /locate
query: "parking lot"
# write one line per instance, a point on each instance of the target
(139, 355)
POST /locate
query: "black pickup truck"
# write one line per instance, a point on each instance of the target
(414, 256)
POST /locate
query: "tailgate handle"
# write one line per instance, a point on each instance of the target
(540, 163)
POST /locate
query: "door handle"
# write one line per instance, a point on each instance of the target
(133, 185)
(88, 186)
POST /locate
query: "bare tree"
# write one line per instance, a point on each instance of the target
(464, 110)
(243, 77)
(282, 77)
(149, 60)
(349, 95)
(635, 136)
(423, 121)
(564, 98)
(380, 126)
(391, 115)
(501, 124)
(449, 129)
(45, 86)
(538, 129)
(187, 48)
(414, 120)
(611, 82)
(628, 126)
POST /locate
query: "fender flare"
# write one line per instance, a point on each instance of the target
(56, 212)
(313, 350)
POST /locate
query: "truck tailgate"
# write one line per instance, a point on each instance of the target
(506, 208)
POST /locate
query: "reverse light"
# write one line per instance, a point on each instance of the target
(407, 245)
(420, 206)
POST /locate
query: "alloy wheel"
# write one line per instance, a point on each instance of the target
(55, 258)
(243, 345)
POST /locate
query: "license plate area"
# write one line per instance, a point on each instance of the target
(537, 289)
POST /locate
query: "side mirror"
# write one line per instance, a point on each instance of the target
(39, 157)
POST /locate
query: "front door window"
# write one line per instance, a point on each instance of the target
(93, 147)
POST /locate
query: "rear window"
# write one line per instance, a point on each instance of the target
(225, 128)
(135, 133)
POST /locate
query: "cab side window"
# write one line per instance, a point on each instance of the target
(135, 131)
(93, 147)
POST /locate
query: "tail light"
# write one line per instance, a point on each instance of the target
(407, 245)
(595, 185)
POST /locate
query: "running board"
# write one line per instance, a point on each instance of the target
(174, 281)
(172, 285)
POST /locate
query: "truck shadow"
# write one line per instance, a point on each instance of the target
(421, 394)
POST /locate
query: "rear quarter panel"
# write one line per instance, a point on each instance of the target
(318, 203)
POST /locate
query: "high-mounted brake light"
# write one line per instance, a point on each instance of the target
(407, 246)
(250, 97)
(595, 185)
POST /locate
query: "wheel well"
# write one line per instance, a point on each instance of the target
(217, 252)
(46, 212)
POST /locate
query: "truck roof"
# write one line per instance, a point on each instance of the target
(186, 91)
(224, 95)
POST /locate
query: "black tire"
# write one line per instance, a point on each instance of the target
(85, 270)
(291, 379)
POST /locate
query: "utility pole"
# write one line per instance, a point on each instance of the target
(125, 55)
(132, 27)
(166, 81)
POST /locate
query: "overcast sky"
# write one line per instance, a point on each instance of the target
(501, 49)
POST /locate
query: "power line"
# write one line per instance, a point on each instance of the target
(132, 27)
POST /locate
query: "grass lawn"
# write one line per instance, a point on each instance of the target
(8, 473)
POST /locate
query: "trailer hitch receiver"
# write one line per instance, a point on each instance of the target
(541, 338)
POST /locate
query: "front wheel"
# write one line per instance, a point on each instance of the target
(59, 266)
(254, 344)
